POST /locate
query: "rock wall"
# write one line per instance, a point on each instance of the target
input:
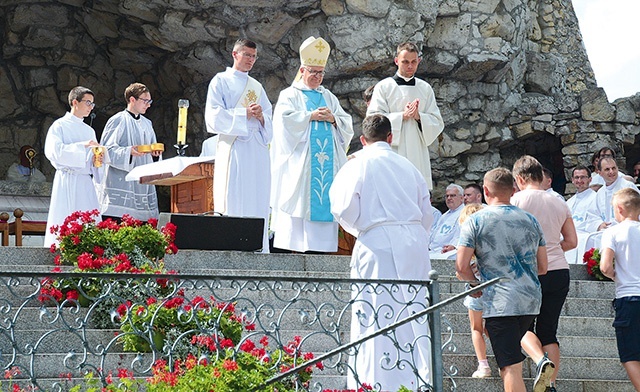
(510, 76)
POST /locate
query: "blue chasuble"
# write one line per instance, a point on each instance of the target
(321, 146)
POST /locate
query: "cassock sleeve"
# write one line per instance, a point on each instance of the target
(344, 124)
(266, 130)
(118, 143)
(291, 119)
(220, 114)
(61, 155)
(431, 121)
(344, 195)
(380, 105)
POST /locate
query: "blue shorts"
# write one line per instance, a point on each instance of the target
(473, 303)
(627, 325)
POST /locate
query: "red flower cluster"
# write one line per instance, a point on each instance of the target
(592, 260)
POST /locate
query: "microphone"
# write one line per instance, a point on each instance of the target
(91, 116)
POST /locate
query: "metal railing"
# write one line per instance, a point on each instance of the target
(54, 341)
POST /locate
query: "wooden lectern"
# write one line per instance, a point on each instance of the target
(191, 189)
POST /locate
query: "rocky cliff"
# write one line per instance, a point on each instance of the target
(510, 76)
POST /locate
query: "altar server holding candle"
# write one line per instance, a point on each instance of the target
(239, 110)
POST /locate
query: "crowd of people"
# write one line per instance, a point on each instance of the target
(381, 195)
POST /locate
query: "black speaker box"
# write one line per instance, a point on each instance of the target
(218, 232)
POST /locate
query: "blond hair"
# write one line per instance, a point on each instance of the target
(468, 210)
(629, 200)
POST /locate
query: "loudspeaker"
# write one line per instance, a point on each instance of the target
(213, 232)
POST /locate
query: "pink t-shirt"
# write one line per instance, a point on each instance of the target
(551, 213)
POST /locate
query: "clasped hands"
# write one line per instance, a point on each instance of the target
(411, 110)
(255, 111)
(323, 114)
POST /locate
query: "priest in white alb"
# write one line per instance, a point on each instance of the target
(383, 200)
(311, 134)
(123, 135)
(239, 111)
(584, 213)
(411, 106)
(69, 147)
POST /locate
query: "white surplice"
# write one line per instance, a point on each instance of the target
(382, 199)
(447, 230)
(604, 208)
(583, 212)
(73, 187)
(410, 138)
(291, 167)
(247, 174)
(118, 196)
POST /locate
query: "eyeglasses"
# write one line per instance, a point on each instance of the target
(89, 103)
(146, 101)
(451, 196)
(249, 56)
(580, 177)
(314, 73)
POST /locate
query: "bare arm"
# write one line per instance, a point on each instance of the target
(606, 263)
(463, 266)
(543, 262)
(570, 237)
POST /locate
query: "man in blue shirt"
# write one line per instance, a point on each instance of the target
(507, 242)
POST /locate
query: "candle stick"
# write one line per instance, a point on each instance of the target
(183, 106)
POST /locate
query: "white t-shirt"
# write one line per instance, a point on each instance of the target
(624, 240)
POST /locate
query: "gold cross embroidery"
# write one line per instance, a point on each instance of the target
(320, 46)
(250, 98)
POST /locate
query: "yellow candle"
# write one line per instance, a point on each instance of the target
(183, 106)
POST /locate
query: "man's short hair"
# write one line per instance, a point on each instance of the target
(78, 92)
(456, 187)
(244, 43)
(368, 93)
(476, 187)
(376, 128)
(528, 168)
(547, 173)
(629, 199)
(499, 181)
(409, 47)
(606, 159)
(134, 90)
(580, 167)
(606, 150)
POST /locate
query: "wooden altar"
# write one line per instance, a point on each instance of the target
(191, 189)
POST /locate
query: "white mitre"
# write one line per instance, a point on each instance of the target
(314, 52)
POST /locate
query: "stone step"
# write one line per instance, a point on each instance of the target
(577, 288)
(571, 346)
(570, 367)
(585, 307)
(595, 327)
(193, 260)
(494, 384)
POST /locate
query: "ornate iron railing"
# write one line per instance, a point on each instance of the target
(50, 342)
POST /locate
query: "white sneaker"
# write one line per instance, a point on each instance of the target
(482, 372)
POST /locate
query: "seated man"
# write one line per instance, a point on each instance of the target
(583, 212)
(612, 183)
(445, 233)
(25, 171)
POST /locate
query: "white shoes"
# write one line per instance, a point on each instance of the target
(482, 372)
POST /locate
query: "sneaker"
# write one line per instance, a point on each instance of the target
(544, 372)
(482, 372)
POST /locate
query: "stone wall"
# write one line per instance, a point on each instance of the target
(511, 76)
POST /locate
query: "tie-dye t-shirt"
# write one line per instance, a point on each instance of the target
(506, 240)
